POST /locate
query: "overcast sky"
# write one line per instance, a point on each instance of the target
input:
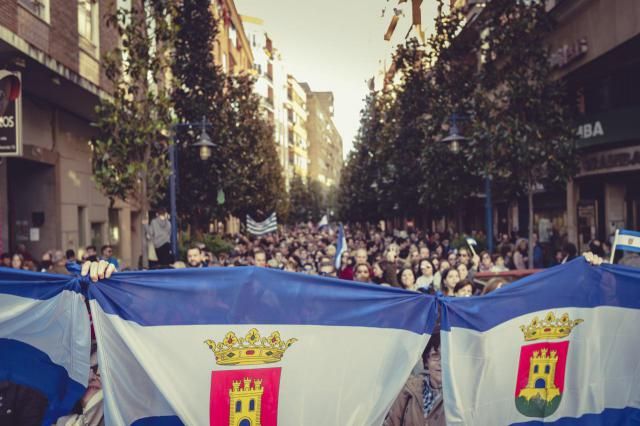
(334, 45)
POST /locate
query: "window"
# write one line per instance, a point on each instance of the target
(238, 406)
(40, 8)
(88, 20)
(546, 369)
(252, 405)
(535, 369)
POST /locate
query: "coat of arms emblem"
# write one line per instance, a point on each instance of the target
(541, 370)
(246, 397)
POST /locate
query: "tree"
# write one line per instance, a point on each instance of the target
(198, 94)
(524, 111)
(244, 163)
(448, 178)
(129, 154)
(300, 199)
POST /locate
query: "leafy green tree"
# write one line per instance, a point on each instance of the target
(244, 164)
(129, 154)
(525, 111)
(300, 201)
(198, 94)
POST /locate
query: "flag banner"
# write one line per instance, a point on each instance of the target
(558, 347)
(268, 225)
(324, 221)
(627, 240)
(248, 346)
(341, 248)
(45, 341)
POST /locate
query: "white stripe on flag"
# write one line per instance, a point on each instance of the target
(331, 375)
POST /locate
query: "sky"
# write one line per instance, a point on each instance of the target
(334, 45)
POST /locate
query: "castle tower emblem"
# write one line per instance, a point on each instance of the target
(541, 370)
(248, 396)
(246, 401)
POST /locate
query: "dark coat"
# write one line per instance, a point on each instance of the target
(21, 405)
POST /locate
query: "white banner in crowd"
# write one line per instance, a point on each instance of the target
(231, 346)
(559, 347)
(268, 225)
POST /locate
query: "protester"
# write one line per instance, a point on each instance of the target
(450, 278)
(420, 401)
(362, 273)
(5, 260)
(17, 261)
(408, 278)
(159, 233)
(107, 254)
(494, 284)
(425, 274)
(89, 411)
(464, 288)
(194, 257)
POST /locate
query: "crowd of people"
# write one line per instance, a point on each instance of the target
(409, 259)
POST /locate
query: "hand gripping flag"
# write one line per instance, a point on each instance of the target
(558, 347)
(44, 341)
(253, 346)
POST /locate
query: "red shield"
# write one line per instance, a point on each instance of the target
(540, 381)
(244, 397)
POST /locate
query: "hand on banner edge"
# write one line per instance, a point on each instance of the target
(98, 270)
(593, 259)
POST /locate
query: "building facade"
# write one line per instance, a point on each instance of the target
(47, 197)
(325, 143)
(271, 85)
(232, 50)
(595, 49)
(297, 130)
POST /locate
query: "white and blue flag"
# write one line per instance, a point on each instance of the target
(268, 225)
(45, 339)
(559, 347)
(625, 240)
(226, 346)
(341, 247)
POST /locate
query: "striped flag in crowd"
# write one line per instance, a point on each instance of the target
(341, 248)
(270, 224)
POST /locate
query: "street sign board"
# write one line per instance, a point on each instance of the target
(10, 114)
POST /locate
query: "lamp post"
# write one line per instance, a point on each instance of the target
(454, 140)
(204, 146)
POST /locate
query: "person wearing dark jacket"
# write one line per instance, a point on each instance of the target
(21, 405)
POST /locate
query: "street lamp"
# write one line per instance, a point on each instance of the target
(454, 141)
(204, 146)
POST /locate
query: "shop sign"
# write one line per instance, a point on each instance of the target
(568, 53)
(590, 130)
(623, 159)
(10, 114)
(613, 126)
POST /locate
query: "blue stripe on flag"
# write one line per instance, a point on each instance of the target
(628, 232)
(575, 284)
(159, 421)
(624, 247)
(251, 295)
(35, 285)
(610, 416)
(26, 365)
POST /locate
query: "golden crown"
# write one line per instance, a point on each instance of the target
(549, 328)
(250, 350)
